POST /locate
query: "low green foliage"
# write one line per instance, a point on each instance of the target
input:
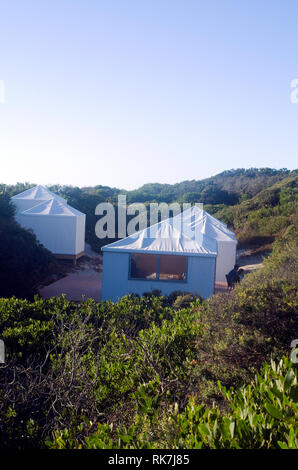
(153, 371)
(262, 414)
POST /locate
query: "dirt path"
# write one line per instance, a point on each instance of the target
(250, 260)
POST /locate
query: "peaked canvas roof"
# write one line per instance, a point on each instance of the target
(165, 238)
(198, 219)
(40, 193)
(206, 226)
(52, 207)
(195, 213)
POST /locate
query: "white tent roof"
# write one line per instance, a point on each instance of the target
(198, 219)
(206, 226)
(40, 193)
(53, 207)
(165, 238)
(195, 214)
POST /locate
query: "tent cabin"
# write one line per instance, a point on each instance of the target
(58, 226)
(198, 219)
(33, 196)
(159, 257)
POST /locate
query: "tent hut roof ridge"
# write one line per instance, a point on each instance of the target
(38, 192)
(52, 207)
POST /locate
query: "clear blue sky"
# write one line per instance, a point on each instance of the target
(125, 92)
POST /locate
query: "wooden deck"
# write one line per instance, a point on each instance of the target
(220, 287)
(74, 258)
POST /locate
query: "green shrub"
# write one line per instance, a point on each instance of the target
(262, 415)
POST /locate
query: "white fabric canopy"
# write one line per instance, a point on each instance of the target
(33, 196)
(199, 220)
(196, 217)
(165, 237)
(53, 207)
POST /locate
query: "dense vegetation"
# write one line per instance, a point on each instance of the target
(144, 372)
(24, 262)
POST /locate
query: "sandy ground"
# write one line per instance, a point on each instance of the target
(249, 260)
(84, 281)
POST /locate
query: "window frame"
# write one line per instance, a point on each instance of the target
(143, 279)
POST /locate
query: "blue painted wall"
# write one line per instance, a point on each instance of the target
(116, 284)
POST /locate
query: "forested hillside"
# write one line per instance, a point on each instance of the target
(257, 203)
(229, 187)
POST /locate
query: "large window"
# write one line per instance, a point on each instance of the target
(143, 266)
(158, 267)
(172, 268)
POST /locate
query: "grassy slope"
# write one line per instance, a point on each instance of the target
(265, 215)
